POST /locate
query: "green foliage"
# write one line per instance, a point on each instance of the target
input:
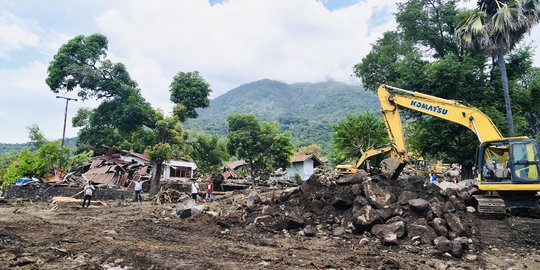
(160, 152)
(23, 166)
(80, 65)
(260, 144)
(190, 91)
(37, 139)
(297, 179)
(208, 152)
(429, 23)
(312, 149)
(356, 134)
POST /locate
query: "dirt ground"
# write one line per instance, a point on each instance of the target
(127, 236)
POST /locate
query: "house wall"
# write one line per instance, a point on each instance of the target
(304, 169)
(177, 163)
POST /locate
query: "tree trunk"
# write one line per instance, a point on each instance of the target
(506, 91)
(156, 178)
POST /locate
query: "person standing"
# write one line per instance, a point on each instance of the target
(88, 190)
(138, 190)
(194, 189)
(210, 191)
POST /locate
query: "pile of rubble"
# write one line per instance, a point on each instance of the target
(401, 212)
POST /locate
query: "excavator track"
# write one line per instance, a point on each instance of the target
(490, 207)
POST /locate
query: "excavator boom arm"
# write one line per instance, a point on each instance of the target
(449, 110)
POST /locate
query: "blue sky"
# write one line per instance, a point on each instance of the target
(229, 42)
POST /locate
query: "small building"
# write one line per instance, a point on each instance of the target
(303, 165)
(178, 169)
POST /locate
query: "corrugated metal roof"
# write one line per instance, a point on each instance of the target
(235, 164)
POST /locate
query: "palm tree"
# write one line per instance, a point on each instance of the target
(498, 25)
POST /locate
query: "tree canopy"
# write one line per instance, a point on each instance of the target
(260, 144)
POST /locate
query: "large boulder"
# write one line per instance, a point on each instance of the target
(439, 225)
(378, 196)
(419, 205)
(352, 179)
(309, 231)
(294, 222)
(389, 233)
(425, 232)
(342, 202)
(437, 208)
(389, 166)
(406, 196)
(442, 244)
(455, 224)
(357, 189)
(366, 218)
(252, 199)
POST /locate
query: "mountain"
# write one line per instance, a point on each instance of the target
(307, 110)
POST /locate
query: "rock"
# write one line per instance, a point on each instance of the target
(183, 197)
(406, 196)
(317, 206)
(471, 257)
(294, 222)
(419, 205)
(394, 219)
(366, 218)
(448, 208)
(390, 240)
(352, 178)
(470, 209)
(426, 233)
(357, 189)
(455, 224)
(457, 249)
(309, 231)
(363, 241)
(252, 199)
(437, 209)
(458, 204)
(442, 244)
(183, 213)
(212, 213)
(24, 261)
(342, 203)
(378, 229)
(379, 197)
(439, 225)
(339, 231)
(389, 165)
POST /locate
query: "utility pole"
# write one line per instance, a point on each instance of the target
(65, 117)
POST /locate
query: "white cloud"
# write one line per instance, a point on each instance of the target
(238, 41)
(14, 34)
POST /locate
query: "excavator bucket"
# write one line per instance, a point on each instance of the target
(392, 167)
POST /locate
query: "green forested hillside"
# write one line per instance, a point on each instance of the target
(307, 110)
(70, 143)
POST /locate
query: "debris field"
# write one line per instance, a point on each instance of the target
(356, 222)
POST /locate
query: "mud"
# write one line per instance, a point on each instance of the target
(252, 229)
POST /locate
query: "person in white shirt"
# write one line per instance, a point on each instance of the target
(88, 190)
(138, 190)
(194, 189)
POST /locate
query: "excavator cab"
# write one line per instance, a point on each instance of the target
(509, 161)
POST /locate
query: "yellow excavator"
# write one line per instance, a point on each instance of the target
(352, 169)
(507, 169)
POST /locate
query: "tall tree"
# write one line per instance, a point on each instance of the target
(80, 65)
(498, 25)
(260, 144)
(429, 23)
(189, 91)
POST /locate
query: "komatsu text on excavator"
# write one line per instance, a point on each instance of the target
(507, 169)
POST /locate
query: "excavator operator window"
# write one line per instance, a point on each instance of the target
(526, 161)
(496, 163)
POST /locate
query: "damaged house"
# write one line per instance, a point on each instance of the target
(302, 165)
